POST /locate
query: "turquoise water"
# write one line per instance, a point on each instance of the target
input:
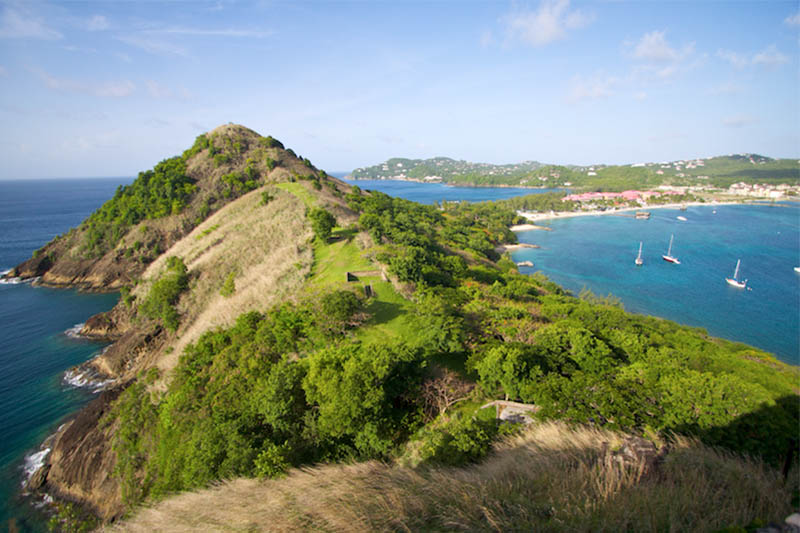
(34, 348)
(598, 253)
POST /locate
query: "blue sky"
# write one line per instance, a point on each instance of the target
(110, 88)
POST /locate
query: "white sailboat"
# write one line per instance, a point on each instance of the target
(669, 257)
(735, 279)
(639, 257)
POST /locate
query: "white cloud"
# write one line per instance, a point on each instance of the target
(97, 23)
(739, 121)
(768, 57)
(549, 23)
(156, 90)
(793, 20)
(654, 48)
(657, 58)
(111, 89)
(641, 96)
(737, 60)
(599, 86)
(15, 24)
(227, 32)
(154, 46)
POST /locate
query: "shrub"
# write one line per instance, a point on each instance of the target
(228, 286)
(160, 301)
(322, 222)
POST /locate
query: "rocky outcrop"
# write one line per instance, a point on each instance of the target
(81, 464)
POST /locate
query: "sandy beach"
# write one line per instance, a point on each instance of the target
(536, 217)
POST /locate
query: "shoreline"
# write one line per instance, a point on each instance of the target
(535, 217)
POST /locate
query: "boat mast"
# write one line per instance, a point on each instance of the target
(736, 272)
(669, 250)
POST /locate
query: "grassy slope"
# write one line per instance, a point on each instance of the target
(264, 247)
(387, 310)
(550, 478)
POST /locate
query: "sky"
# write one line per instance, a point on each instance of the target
(111, 88)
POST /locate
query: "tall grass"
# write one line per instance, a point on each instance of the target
(551, 478)
(266, 249)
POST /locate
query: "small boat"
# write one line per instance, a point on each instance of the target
(797, 269)
(638, 260)
(525, 264)
(642, 215)
(735, 279)
(669, 257)
(682, 219)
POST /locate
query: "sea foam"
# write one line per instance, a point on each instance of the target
(32, 463)
(86, 377)
(75, 331)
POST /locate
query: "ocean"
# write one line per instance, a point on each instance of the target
(35, 343)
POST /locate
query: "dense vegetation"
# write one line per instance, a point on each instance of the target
(297, 385)
(164, 293)
(717, 171)
(156, 193)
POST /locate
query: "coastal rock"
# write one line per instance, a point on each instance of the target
(82, 462)
(38, 479)
(99, 326)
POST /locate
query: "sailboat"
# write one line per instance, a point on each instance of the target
(639, 257)
(735, 279)
(669, 256)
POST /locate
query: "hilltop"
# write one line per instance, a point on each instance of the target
(297, 320)
(719, 172)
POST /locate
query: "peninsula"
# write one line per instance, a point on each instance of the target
(273, 318)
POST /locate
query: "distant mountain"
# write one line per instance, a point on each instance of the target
(719, 171)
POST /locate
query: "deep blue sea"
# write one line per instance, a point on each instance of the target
(34, 348)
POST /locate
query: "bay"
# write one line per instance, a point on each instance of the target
(598, 252)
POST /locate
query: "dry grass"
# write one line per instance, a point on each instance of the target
(267, 249)
(551, 478)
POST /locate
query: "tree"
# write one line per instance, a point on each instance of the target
(322, 222)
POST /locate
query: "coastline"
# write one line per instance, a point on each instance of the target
(535, 217)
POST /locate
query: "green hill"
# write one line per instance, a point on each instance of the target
(721, 171)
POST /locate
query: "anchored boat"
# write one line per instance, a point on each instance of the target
(669, 257)
(735, 279)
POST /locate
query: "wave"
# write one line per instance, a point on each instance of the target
(75, 331)
(33, 462)
(16, 281)
(86, 378)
